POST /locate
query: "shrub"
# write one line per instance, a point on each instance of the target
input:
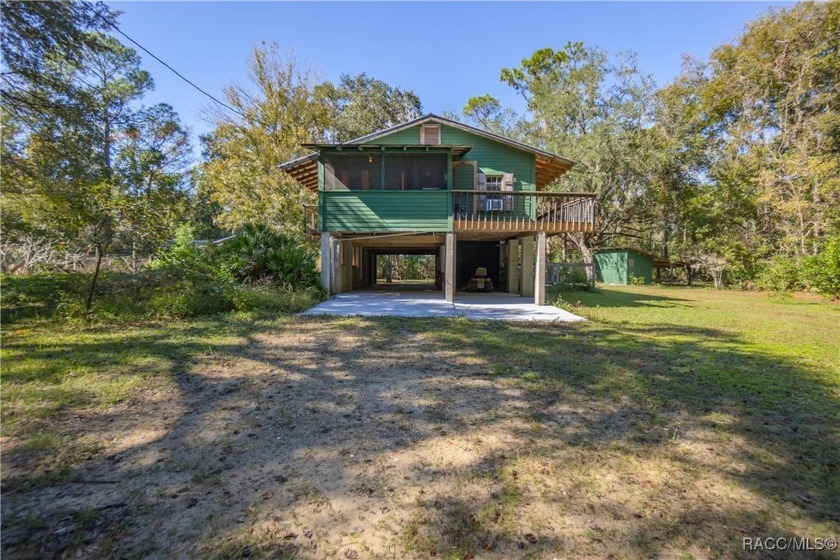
(823, 269)
(637, 280)
(184, 259)
(259, 270)
(273, 299)
(576, 276)
(742, 266)
(782, 274)
(258, 254)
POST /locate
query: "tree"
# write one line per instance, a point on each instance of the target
(34, 34)
(41, 106)
(599, 113)
(152, 165)
(773, 101)
(360, 105)
(114, 81)
(486, 112)
(284, 107)
(756, 131)
(87, 168)
(281, 110)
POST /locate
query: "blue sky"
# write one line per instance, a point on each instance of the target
(445, 52)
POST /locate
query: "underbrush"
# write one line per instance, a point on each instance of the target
(568, 296)
(124, 298)
(260, 270)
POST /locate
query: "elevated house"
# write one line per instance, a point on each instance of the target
(436, 186)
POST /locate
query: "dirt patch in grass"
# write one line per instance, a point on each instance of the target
(356, 438)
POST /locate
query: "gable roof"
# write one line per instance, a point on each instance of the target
(549, 166)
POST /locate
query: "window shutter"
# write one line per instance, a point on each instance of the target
(507, 185)
(507, 182)
(481, 200)
(430, 134)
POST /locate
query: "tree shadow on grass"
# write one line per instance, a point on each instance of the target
(603, 296)
(780, 406)
(398, 437)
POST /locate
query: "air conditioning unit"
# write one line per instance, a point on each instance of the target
(494, 205)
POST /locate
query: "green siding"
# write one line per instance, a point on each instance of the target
(425, 210)
(463, 180)
(640, 265)
(385, 211)
(611, 267)
(617, 266)
(493, 158)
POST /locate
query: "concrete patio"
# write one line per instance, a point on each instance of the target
(414, 301)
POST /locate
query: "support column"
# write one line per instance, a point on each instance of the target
(539, 274)
(513, 266)
(346, 266)
(326, 262)
(357, 267)
(526, 281)
(449, 287)
(335, 255)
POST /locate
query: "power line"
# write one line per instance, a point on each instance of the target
(147, 51)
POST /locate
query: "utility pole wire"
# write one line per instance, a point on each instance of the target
(147, 51)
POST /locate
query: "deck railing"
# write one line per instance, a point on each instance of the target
(513, 211)
(523, 211)
(310, 218)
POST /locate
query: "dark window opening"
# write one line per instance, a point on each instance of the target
(357, 172)
(416, 172)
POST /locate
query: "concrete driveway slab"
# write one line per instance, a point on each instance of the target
(500, 307)
(504, 307)
(376, 304)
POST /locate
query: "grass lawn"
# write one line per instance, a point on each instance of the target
(674, 423)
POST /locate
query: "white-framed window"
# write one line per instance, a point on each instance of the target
(494, 182)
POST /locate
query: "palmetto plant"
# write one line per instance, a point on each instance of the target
(259, 254)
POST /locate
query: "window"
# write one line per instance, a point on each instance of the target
(494, 182)
(430, 134)
(362, 172)
(415, 172)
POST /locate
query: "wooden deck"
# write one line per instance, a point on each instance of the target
(522, 211)
(485, 213)
(520, 226)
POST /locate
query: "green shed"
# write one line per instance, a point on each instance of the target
(619, 265)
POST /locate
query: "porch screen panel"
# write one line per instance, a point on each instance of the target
(415, 172)
(352, 172)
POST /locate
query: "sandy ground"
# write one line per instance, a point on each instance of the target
(312, 443)
(328, 439)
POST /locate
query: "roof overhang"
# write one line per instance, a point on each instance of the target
(457, 150)
(304, 170)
